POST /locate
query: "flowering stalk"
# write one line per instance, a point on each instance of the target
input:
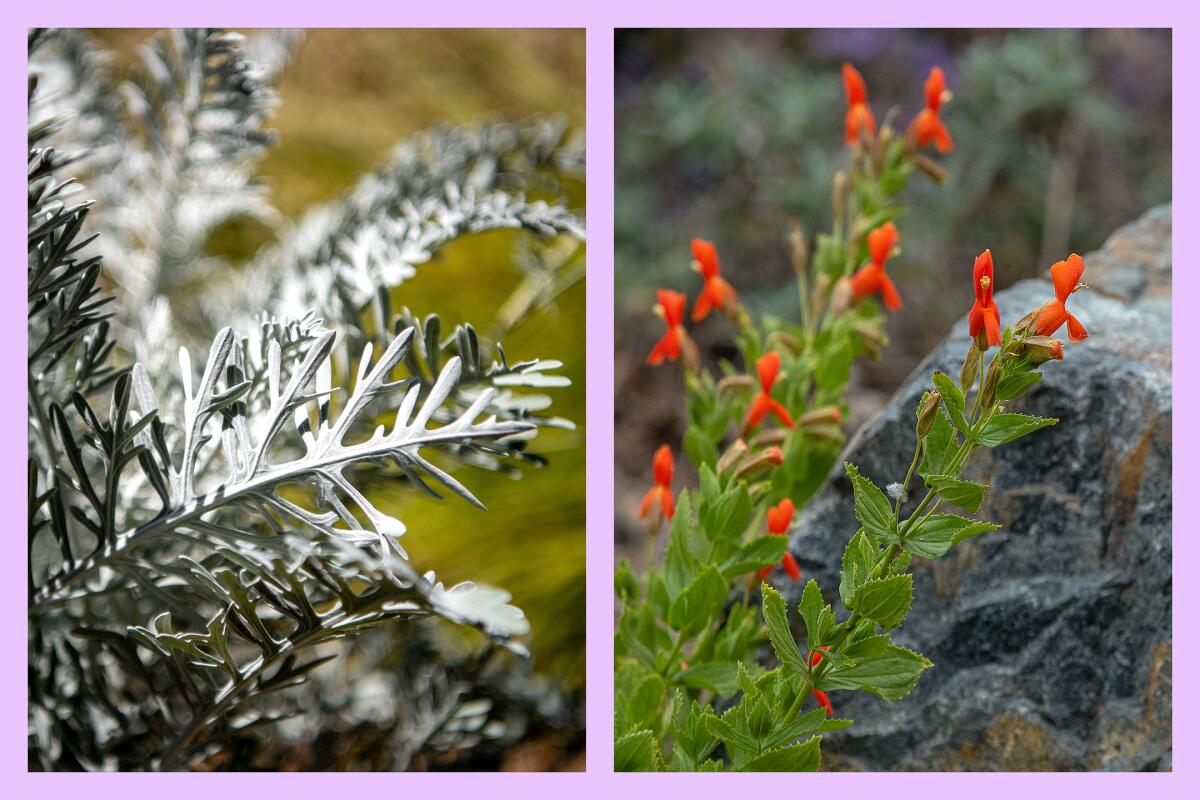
(763, 438)
(690, 672)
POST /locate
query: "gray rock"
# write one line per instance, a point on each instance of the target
(1051, 637)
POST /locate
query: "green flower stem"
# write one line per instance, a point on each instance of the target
(907, 479)
(672, 658)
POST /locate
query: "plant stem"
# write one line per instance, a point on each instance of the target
(672, 657)
(797, 704)
(907, 479)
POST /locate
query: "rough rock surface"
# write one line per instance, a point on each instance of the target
(1051, 637)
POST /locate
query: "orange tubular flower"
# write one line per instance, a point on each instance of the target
(717, 293)
(871, 278)
(927, 126)
(779, 519)
(858, 115)
(768, 371)
(660, 494)
(985, 316)
(671, 344)
(818, 695)
(1066, 275)
(823, 699)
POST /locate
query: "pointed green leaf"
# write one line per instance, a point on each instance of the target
(967, 495)
(811, 607)
(634, 752)
(1004, 428)
(718, 677)
(879, 667)
(799, 757)
(952, 399)
(871, 505)
(698, 603)
(754, 555)
(934, 537)
(857, 562)
(884, 600)
(775, 614)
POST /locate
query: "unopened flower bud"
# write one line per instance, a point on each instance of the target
(1040, 349)
(734, 382)
(930, 403)
(970, 368)
(820, 291)
(732, 455)
(769, 437)
(839, 198)
(799, 249)
(843, 293)
(763, 460)
(931, 168)
(1026, 321)
(777, 339)
(988, 395)
(871, 335)
(820, 416)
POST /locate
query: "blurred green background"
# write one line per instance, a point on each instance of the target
(346, 99)
(1060, 136)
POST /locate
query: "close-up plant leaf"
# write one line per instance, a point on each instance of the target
(715, 669)
(209, 439)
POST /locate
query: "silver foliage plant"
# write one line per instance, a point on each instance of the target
(196, 529)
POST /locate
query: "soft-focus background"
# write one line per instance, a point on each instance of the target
(1060, 137)
(349, 97)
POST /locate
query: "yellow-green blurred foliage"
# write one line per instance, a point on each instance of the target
(346, 100)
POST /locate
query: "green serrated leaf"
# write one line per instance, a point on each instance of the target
(731, 734)
(634, 752)
(754, 555)
(775, 614)
(812, 604)
(700, 449)
(940, 446)
(967, 495)
(698, 603)
(934, 537)
(857, 562)
(1013, 385)
(643, 706)
(799, 757)
(879, 667)
(884, 600)
(871, 505)
(952, 400)
(729, 516)
(1004, 428)
(718, 677)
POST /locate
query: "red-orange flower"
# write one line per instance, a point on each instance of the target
(671, 344)
(818, 695)
(927, 126)
(660, 494)
(872, 278)
(717, 293)
(768, 371)
(985, 316)
(823, 700)
(1066, 275)
(858, 115)
(779, 519)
